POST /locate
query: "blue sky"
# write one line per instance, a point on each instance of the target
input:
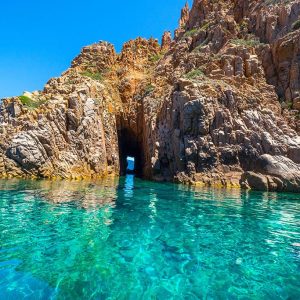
(38, 39)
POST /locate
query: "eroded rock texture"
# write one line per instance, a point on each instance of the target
(208, 107)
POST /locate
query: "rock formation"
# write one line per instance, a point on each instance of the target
(166, 41)
(218, 105)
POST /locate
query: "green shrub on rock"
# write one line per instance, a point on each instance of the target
(246, 43)
(155, 58)
(30, 103)
(191, 32)
(296, 25)
(95, 76)
(194, 74)
(149, 88)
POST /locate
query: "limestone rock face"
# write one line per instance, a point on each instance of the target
(218, 105)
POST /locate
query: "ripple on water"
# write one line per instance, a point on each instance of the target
(133, 239)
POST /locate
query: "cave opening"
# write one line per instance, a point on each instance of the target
(130, 153)
(130, 165)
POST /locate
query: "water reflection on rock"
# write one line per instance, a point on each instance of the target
(85, 194)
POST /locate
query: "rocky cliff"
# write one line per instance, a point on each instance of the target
(217, 105)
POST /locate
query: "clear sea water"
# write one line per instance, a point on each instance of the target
(134, 239)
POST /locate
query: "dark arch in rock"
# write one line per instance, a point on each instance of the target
(130, 145)
(130, 140)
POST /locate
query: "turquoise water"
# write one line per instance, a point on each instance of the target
(133, 239)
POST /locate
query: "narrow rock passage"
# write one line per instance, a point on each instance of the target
(130, 146)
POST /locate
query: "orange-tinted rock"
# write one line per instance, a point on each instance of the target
(184, 16)
(166, 41)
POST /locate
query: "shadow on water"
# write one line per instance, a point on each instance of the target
(126, 237)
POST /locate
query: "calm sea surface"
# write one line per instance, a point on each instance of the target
(134, 239)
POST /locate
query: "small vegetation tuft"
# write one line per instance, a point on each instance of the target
(30, 103)
(296, 25)
(194, 74)
(243, 25)
(199, 47)
(70, 81)
(149, 88)
(273, 2)
(95, 76)
(155, 58)
(246, 43)
(205, 26)
(286, 104)
(191, 32)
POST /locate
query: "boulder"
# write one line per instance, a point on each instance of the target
(274, 173)
(255, 181)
